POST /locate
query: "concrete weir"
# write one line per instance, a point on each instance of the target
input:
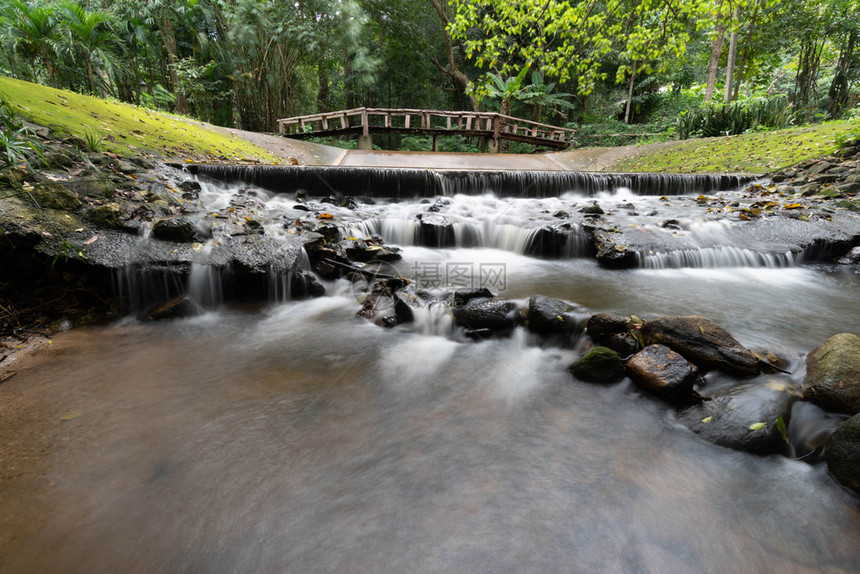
(406, 183)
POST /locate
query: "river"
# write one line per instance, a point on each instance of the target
(294, 437)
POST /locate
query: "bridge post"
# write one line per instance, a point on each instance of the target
(365, 142)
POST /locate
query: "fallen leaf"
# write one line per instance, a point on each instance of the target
(707, 419)
(71, 416)
(92, 239)
(7, 375)
(757, 426)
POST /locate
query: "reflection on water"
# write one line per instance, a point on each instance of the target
(300, 439)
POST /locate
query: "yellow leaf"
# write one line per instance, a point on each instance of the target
(707, 419)
(792, 206)
(71, 416)
(757, 426)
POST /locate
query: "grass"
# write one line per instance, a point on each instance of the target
(760, 152)
(124, 129)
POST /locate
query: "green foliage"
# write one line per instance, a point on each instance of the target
(17, 143)
(736, 118)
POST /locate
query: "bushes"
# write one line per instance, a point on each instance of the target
(736, 118)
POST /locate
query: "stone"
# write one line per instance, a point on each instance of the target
(547, 242)
(601, 324)
(463, 296)
(548, 315)
(107, 216)
(842, 452)
(593, 209)
(833, 374)
(436, 230)
(851, 258)
(54, 196)
(663, 372)
(599, 365)
(180, 230)
(703, 343)
(743, 418)
(622, 343)
(496, 314)
(177, 308)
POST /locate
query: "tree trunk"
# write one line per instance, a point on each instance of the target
(730, 63)
(322, 90)
(170, 46)
(452, 70)
(629, 99)
(839, 88)
(740, 70)
(716, 50)
(807, 73)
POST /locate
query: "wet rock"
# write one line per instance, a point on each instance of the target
(602, 324)
(663, 372)
(593, 209)
(380, 309)
(55, 196)
(436, 230)
(743, 418)
(548, 315)
(106, 216)
(833, 374)
(304, 285)
(362, 250)
(495, 314)
(852, 258)
(622, 343)
(610, 254)
(842, 452)
(180, 230)
(463, 296)
(599, 365)
(439, 205)
(547, 242)
(183, 306)
(703, 343)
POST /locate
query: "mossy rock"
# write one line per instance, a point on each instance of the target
(55, 196)
(599, 365)
(106, 216)
(842, 451)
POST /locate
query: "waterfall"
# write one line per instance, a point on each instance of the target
(715, 257)
(412, 183)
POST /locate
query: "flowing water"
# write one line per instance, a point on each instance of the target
(295, 437)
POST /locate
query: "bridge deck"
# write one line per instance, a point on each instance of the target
(364, 121)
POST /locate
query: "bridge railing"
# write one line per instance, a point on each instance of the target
(489, 124)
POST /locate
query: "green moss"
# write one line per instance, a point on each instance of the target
(748, 153)
(122, 128)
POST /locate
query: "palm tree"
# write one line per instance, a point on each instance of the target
(88, 35)
(32, 31)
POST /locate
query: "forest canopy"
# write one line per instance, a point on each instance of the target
(246, 63)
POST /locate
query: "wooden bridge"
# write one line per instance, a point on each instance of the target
(364, 122)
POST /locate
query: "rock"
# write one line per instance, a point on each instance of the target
(183, 306)
(601, 324)
(547, 242)
(54, 196)
(436, 230)
(851, 258)
(496, 314)
(842, 452)
(703, 343)
(593, 209)
(106, 216)
(548, 315)
(622, 343)
(743, 418)
(180, 230)
(663, 372)
(599, 365)
(833, 374)
(610, 254)
(463, 296)
(304, 285)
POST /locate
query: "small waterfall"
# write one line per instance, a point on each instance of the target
(715, 257)
(412, 183)
(205, 286)
(433, 319)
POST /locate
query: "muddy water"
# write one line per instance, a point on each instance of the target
(296, 438)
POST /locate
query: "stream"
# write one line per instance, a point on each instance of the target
(292, 436)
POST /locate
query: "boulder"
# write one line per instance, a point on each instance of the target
(548, 315)
(833, 374)
(177, 308)
(599, 365)
(497, 315)
(703, 343)
(601, 324)
(180, 230)
(55, 196)
(106, 216)
(663, 372)
(436, 230)
(744, 418)
(547, 242)
(842, 452)
(463, 296)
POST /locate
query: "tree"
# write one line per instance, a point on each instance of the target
(570, 40)
(88, 34)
